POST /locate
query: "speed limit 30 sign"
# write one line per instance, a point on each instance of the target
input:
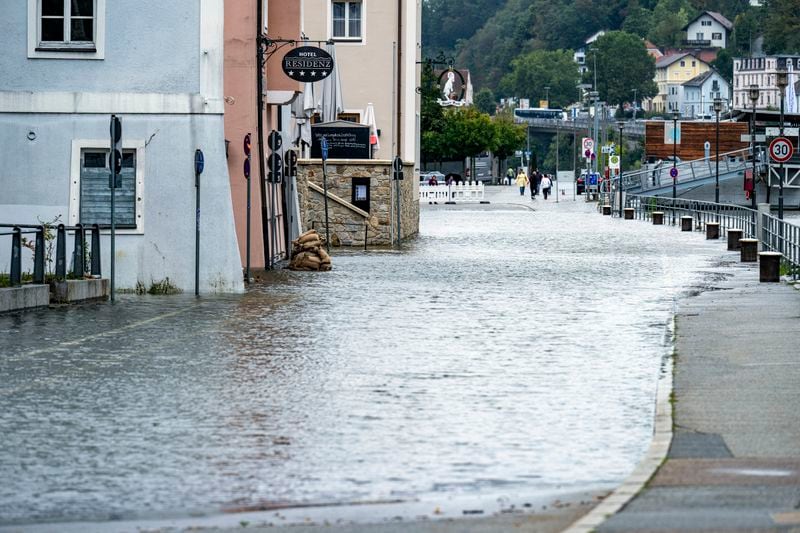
(781, 149)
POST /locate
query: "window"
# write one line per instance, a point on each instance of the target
(683, 63)
(716, 36)
(699, 36)
(346, 18)
(95, 194)
(66, 29)
(694, 63)
(705, 23)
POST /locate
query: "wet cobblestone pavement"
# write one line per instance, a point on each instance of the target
(506, 351)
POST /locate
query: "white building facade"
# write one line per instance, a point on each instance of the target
(698, 95)
(760, 71)
(64, 74)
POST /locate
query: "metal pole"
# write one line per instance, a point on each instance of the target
(325, 194)
(780, 175)
(556, 160)
(247, 238)
(397, 195)
(619, 182)
(113, 165)
(716, 185)
(674, 162)
(574, 160)
(753, 154)
(197, 233)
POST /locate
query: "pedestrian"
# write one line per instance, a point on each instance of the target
(547, 183)
(509, 176)
(432, 180)
(522, 181)
(535, 180)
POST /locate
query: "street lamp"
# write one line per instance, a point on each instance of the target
(675, 116)
(781, 80)
(547, 96)
(753, 93)
(717, 109)
(621, 124)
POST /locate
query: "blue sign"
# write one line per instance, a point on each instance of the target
(199, 162)
(593, 179)
(673, 172)
(324, 145)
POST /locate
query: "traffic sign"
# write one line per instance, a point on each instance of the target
(673, 172)
(776, 132)
(324, 146)
(613, 162)
(588, 144)
(781, 149)
(607, 149)
(199, 161)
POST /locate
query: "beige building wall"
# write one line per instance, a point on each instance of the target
(368, 68)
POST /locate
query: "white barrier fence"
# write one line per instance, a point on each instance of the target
(461, 192)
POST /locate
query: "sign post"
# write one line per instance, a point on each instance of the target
(781, 149)
(246, 169)
(324, 146)
(115, 166)
(397, 174)
(199, 165)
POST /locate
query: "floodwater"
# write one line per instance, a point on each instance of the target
(506, 351)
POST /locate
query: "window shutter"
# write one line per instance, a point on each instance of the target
(95, 199)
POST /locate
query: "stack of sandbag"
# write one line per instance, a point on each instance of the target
(308, 253)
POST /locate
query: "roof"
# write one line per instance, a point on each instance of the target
(719, 17)
(668, 60)
(700, 79)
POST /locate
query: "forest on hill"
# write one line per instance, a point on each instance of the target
(490, 37)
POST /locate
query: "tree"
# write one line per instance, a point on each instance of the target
(466, 133)
(623, 65)
(638, 22)
(781, 33)
(485, 101)
(724, 64)
(509, 137)
(532, 72)
(669, 19)
(565, 152)
(431, 116)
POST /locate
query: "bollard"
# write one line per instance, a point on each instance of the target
(629, 213)
(712, 230)
(607, 210)
(658, 218)
(96, 271)
(769, 269)
(38, 257)
(78, 259)
(733, 239)
(15, 277)
(686, 223)
(61, 253)
(749, 251)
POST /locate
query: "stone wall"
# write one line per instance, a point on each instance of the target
(348, 223)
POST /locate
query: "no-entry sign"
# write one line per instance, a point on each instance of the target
(781, 149)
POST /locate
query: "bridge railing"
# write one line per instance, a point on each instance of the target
(459, 192)
(688, 171)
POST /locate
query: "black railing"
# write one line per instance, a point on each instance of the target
(80, 253)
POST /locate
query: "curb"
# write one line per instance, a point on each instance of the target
(656, 453)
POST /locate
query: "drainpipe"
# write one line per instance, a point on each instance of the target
(399, 74)
(260, 133)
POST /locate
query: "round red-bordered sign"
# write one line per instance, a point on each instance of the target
(781, 149)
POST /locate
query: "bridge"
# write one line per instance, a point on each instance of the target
(554, 125)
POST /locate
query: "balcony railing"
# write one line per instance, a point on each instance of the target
(703, 43)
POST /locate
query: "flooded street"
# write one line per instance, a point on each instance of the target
(507, 351)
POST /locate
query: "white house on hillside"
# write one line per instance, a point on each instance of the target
(708, 30)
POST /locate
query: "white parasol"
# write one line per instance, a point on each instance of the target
(369, 120)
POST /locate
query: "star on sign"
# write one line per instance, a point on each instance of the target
(302, 72)
(313, 72)
(291, 73)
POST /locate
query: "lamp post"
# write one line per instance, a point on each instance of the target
(781, 80)
(675, 116)
(547, 96)
(753, 93)
(621, 124)
(634, 104)
(717, 109)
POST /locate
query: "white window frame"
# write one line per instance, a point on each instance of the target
(348, 40)
(78, 146)
(66, 50)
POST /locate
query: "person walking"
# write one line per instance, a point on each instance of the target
(522, 181)
(509, 176)
(547, 184)
(536, 178)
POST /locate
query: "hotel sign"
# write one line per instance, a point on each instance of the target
(307, 63)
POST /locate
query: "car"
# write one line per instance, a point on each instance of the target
(426, 176)
(580, 184)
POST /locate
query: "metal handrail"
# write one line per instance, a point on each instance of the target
(79, 252)
(688, 171)
(781, 236)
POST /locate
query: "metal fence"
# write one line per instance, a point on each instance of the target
(82, 255)
(773, 234)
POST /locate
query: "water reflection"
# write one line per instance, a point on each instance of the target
(505, 350)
